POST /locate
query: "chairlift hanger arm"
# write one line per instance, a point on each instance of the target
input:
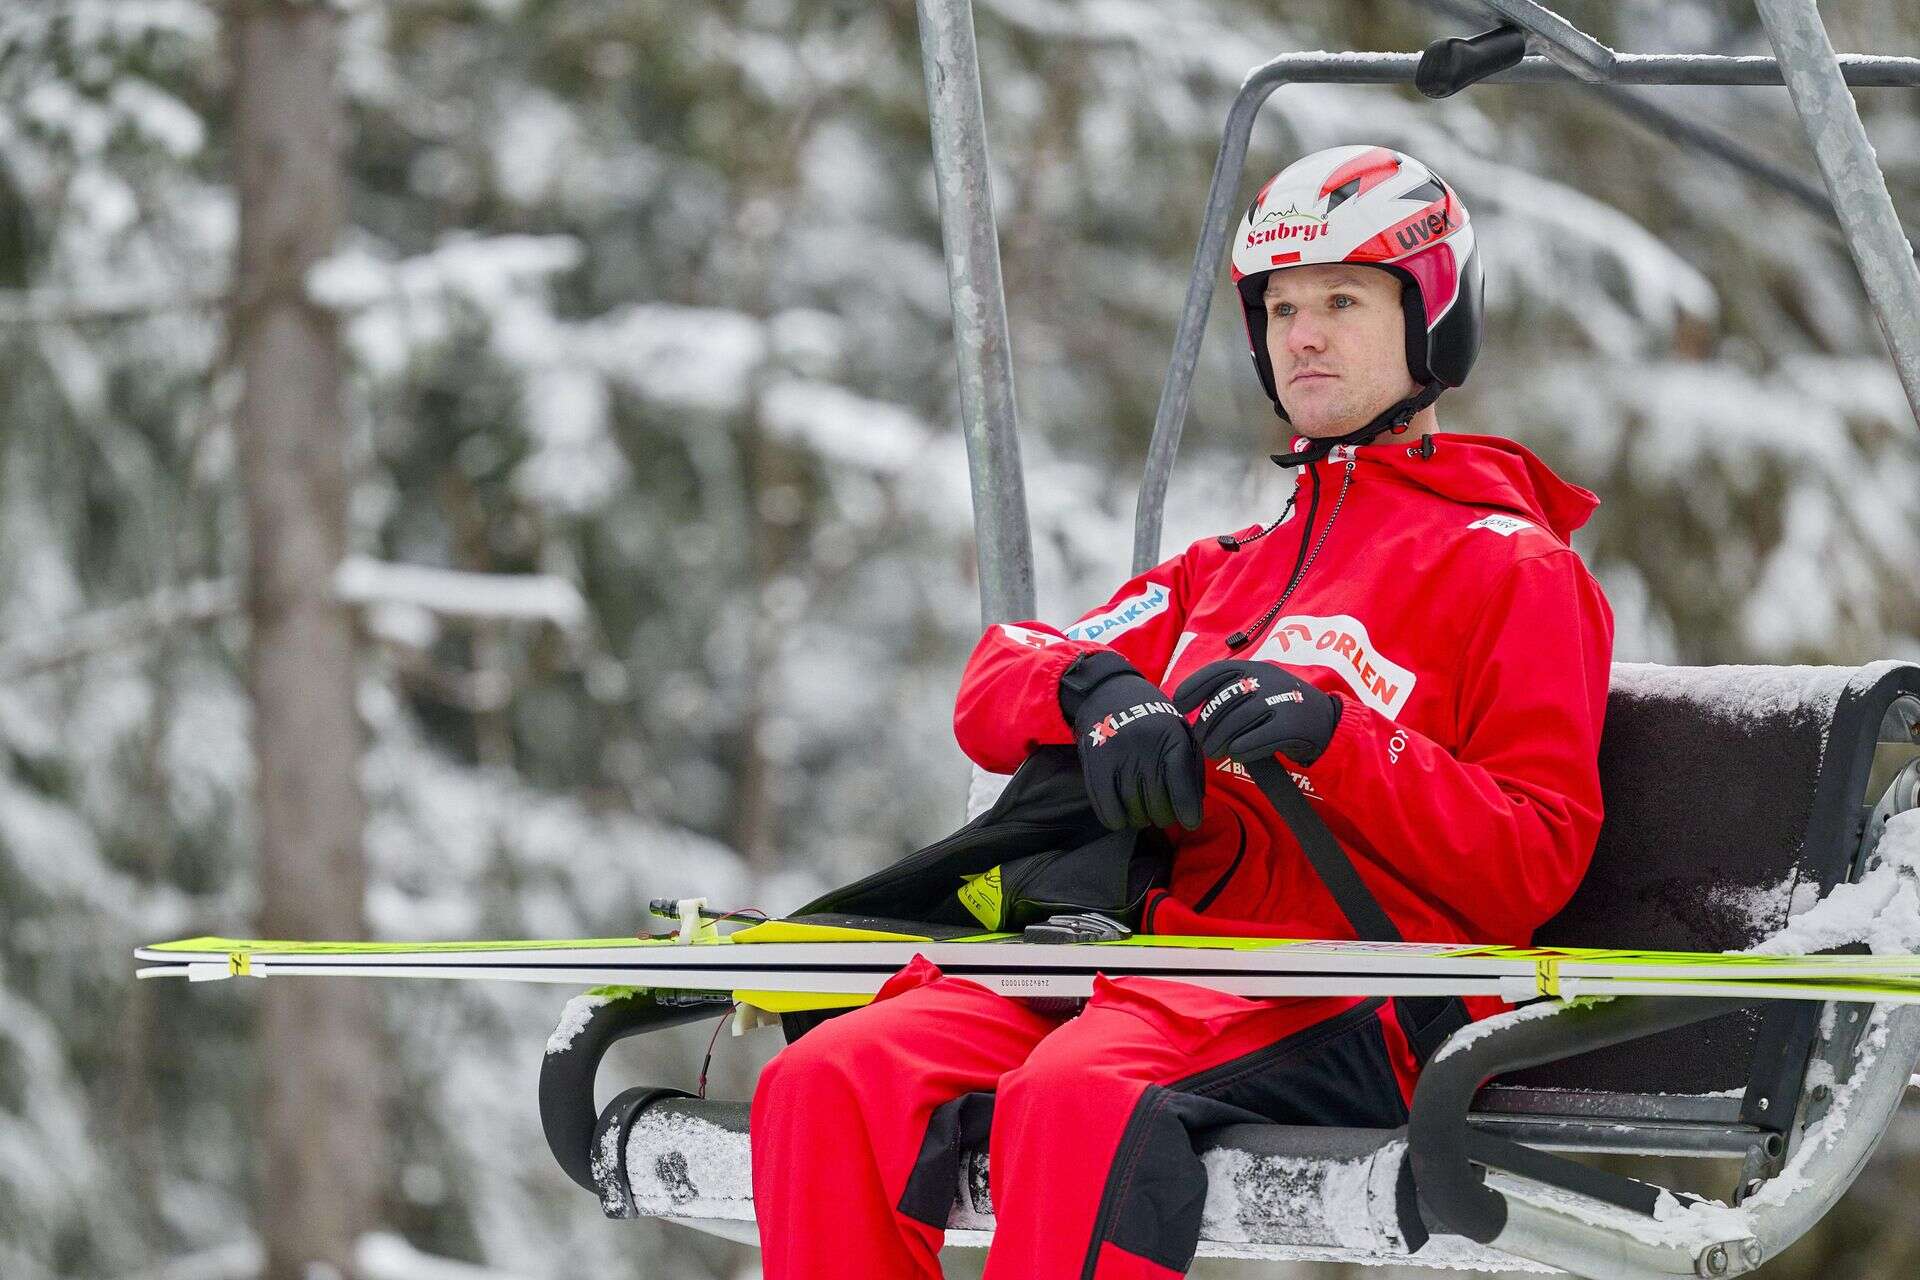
(1454, 64)
(1859, 71)
(1831, 119)
(1805, 192)
(983, 353)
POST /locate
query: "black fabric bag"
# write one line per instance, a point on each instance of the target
(1039, 851)
(1050, 853)
(1109, 875)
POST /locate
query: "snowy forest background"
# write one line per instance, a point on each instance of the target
(643, 303)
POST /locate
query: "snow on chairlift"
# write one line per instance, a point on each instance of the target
(1734, 797)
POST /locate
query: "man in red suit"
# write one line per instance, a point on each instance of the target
(1413, 638)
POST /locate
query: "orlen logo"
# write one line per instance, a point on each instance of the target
(1292, 224)
(1341, 642)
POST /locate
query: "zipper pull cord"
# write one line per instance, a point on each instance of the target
(1232, 543)
(1241, 639)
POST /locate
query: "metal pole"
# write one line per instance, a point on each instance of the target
(1003, 541)
(1853, 177)
(1575, 51)
(1176, 393)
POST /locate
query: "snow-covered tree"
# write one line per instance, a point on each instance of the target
(648, 300)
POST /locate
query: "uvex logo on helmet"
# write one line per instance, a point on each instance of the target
(1411, 235)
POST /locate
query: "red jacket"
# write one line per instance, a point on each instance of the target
(1470, 648)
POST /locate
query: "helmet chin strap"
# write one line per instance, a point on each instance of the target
(1395, 418)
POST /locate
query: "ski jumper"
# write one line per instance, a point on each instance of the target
(1470, 649)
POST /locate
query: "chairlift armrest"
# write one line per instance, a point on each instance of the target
(1443, 1149)
(567, 1114)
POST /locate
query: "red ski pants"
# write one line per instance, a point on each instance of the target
(858, 1127)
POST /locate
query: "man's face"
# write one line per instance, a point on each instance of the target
(1338, 342)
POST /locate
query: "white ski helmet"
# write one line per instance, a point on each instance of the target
(1379, 208)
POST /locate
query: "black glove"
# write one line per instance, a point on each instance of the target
(1250, 710)
(1142, 766)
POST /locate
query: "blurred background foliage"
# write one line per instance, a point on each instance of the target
(649, 296)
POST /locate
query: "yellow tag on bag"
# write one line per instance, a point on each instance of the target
(982, 896)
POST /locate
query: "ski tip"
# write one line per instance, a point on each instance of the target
(162, 971)
(197, 946)
(216, 946)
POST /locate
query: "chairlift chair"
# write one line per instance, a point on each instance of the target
(1727, 789)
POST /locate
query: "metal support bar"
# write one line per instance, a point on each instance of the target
(1003, 539)
(1782, 1214)
(1853, 177)
(1638, 1136)
(1388, 68)
(1441, 1146)
(1674, 125)
(567, 1114)
(1568, 46)
(1496, 1152)
(1689, 131)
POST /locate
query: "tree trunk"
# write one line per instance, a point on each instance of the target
(319, 1100)
(756, 812)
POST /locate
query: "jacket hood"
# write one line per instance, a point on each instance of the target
(1487, 471)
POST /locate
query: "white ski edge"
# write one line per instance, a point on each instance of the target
(1510, 988)
(1307, 958)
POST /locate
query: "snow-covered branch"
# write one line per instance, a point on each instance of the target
(19, 307)
(484, 269)
(117, 626)
(380, 1255)
(241, 1260)
(536, 597)
(360, 581)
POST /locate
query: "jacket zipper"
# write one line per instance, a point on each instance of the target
(1241, 639)
(1206, 899)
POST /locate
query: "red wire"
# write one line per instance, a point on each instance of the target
(708, 1060)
